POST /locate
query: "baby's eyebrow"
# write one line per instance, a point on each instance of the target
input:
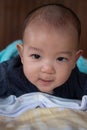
(34, 48)
(65, 52)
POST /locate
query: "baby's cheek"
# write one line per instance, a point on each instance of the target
(64, 73)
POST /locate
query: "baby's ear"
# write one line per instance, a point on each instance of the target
(20, 50)
(78, 54)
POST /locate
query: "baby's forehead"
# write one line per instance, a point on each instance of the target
(46, 26)
(36, 30)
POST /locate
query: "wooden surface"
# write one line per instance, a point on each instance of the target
(12, 14)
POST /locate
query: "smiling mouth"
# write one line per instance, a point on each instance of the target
(46, 81)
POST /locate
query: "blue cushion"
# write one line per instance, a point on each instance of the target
(82, 64)
(10, 51)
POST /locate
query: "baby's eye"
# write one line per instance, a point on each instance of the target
(35, 56)
(62, 59)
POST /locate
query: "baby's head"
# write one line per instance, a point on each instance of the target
(53, 16)
(50, 47)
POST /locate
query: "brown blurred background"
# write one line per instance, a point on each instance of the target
(13, 12)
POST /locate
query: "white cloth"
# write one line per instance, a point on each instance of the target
(13, 106)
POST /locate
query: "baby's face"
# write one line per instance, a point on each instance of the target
(48, 57)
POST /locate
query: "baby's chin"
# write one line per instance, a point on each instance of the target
(48, 92)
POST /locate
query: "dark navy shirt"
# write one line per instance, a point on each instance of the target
(14, 82)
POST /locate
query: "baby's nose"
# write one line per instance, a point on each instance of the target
(48, 68)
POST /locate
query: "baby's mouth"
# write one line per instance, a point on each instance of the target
(46, 80)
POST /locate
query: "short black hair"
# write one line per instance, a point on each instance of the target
(54, 14)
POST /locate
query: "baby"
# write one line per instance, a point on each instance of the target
(48, 55)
